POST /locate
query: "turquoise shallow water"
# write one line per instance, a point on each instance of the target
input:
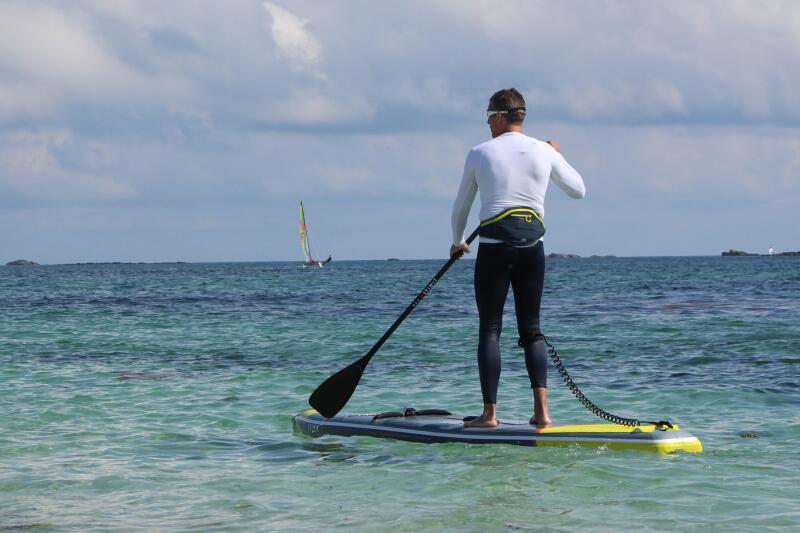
(161, 396)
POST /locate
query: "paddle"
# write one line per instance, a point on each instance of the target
(332, 395)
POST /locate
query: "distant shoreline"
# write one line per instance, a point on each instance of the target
(740, 253)
(556, 256)
(26, 262)
(128, 263)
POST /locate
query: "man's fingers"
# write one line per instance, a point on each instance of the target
(458, 251)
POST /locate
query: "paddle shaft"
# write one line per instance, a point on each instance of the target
(423, 293)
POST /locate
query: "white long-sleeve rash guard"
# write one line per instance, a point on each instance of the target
(511, 170)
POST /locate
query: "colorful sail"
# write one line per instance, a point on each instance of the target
(304, 236)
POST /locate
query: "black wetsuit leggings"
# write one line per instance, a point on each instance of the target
(497, 266)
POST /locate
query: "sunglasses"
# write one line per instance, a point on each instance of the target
(491, 112)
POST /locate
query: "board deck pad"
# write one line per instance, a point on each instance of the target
(432, 429)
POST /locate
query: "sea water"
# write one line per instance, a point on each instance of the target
(142, 397)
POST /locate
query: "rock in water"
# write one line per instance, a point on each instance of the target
(20, 262)
(733, 252)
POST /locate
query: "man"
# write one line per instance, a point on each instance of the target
(511, 171)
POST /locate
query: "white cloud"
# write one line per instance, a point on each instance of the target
(713, 62)
(680, 166)
(434, 95)
(309, 106)
(200, 103)
(612, 101)
(23, 101)
(700, 62)
(58, 50)
(387, 166)
(32, 174)
(349, 179)
(295, 43)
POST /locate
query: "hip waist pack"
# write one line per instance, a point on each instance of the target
(517, 226)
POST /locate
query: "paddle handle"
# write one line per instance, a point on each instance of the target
(423, 293)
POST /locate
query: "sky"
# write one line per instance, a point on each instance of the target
(191, 130)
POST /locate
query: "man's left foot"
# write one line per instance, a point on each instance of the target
(482, 421)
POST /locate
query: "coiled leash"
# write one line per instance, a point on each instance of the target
(597, 411)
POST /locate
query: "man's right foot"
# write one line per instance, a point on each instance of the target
(540, 421)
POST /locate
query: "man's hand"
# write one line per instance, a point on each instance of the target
(458, 251)
(555, 146)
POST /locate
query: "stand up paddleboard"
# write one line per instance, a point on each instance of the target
(440, 426)
(332, 395)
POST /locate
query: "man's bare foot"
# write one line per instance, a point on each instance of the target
(545, 421)
(481, 422)
(540, 417)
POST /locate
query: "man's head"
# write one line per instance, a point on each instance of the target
(510, 111)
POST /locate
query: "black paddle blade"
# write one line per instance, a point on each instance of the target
(332, 395)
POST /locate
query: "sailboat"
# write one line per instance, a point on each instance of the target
(309, 260)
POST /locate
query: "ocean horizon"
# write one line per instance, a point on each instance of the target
(471, 257)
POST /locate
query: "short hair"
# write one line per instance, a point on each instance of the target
(509, 100)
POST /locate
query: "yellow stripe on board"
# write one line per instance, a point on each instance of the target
(688, 445)
(602, 428)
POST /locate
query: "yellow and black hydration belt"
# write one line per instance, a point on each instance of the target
(517, 226)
